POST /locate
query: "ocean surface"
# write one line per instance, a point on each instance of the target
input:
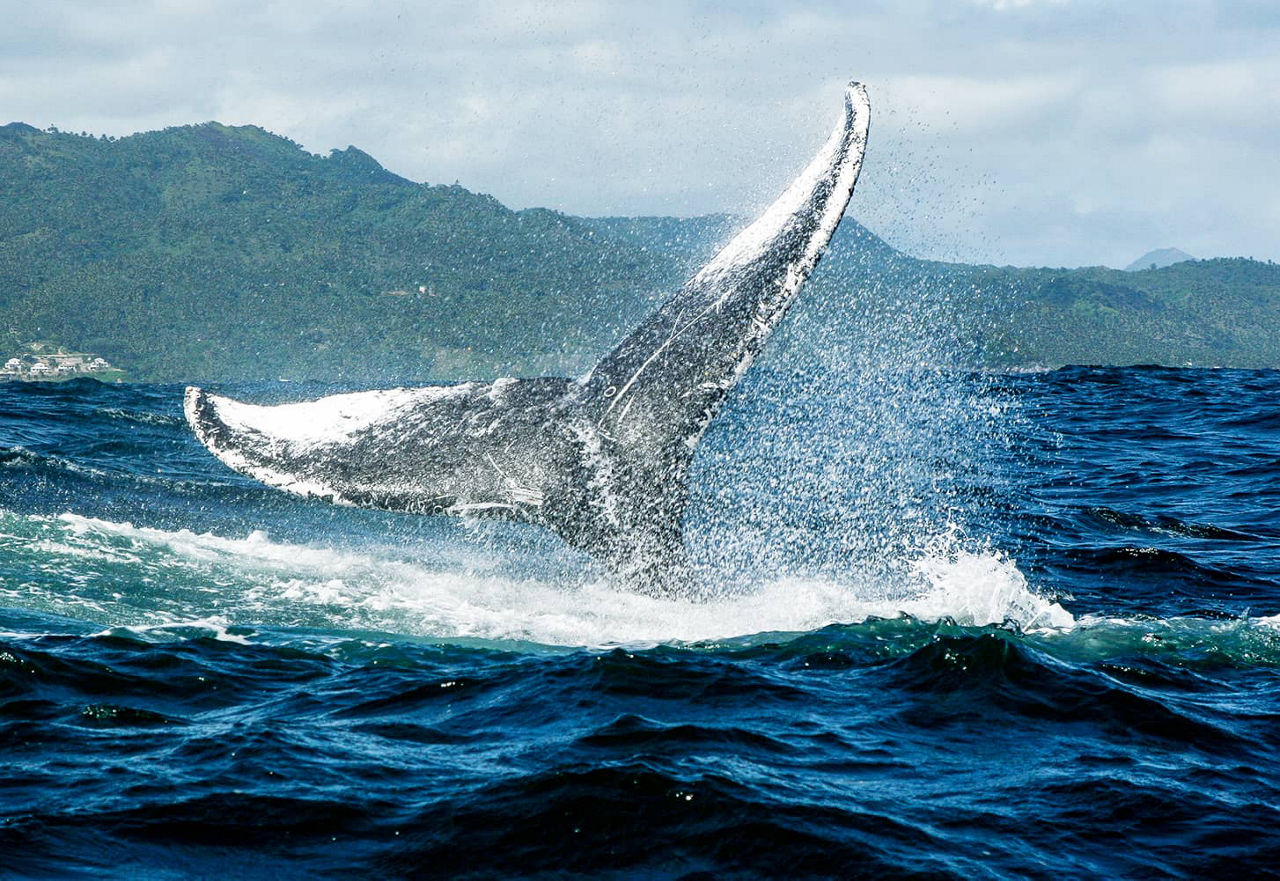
(945, 624)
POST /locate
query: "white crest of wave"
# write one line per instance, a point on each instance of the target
(979, 589)
(471, 594)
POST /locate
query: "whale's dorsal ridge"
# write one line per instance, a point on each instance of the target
(602, 461)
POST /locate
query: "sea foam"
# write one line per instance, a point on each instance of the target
(471, 594)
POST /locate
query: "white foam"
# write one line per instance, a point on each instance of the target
(211, 627)
(981, 589)
(256, 581)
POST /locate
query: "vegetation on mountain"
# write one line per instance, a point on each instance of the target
(211, 252)
(1223, 312)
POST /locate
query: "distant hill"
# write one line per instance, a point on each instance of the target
(1222, 312)
(216, 252)
(212, 252)
(1158, 259)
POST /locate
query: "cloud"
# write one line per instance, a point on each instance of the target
(972, 104)
(1039, 131)
(1007, 5)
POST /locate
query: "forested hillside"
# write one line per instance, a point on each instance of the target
(1223, 312)
(211, 252)
(215, 252)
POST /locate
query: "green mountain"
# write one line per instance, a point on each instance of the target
(1223, 312)
(211, 252)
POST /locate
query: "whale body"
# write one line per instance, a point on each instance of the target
(603, 460)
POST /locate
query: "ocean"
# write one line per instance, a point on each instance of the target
(944, 623)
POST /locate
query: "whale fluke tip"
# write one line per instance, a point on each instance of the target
(856, 101)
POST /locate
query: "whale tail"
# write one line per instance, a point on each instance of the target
(603, 461)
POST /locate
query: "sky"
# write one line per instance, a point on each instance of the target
(1028, 132)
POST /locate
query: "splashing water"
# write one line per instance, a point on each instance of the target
(856, 484)
(92, 568)
(872, 460)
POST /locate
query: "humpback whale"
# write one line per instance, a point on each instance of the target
(602, 460)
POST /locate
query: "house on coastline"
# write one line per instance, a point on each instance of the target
(53, 366)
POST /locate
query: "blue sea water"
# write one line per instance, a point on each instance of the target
(945, 624)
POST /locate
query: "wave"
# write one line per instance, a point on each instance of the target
(21, 458)
(1164, 525)
(184, 583)
(157, 584)
(142, 417)
(121, 574)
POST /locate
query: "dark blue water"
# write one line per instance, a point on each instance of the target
(947, 625)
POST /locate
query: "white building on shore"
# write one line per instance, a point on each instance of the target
(61, 364)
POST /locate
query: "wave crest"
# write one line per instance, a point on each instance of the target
(140, 575)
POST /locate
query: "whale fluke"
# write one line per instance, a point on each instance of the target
(603, 460)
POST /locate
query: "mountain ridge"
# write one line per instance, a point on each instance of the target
(213, 252)
(1159, 259)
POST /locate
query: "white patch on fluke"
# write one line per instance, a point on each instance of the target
(306, 426)
(334, 419)
(836, 167)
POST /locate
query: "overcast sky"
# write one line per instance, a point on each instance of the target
(1033, 132)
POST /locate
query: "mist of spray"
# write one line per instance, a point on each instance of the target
(861, 444)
